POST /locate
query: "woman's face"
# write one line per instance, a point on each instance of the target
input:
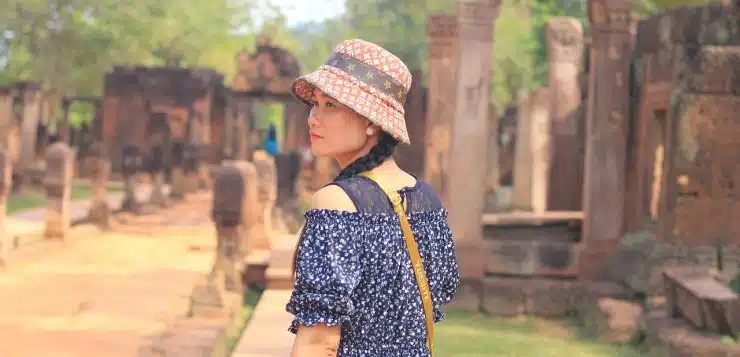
(337, 131)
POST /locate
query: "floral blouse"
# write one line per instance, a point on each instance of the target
(354, 269)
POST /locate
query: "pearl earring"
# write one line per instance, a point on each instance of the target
(370, 131)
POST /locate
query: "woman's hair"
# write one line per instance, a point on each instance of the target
(377, 155)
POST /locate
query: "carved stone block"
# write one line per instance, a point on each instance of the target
(505, 296)
(716, 70)
(58, 181)
(695, 295)
(228, 196)
(475, 18)
(251, 208)
(565, 40)
(267, 188)
(610, 15)
(100, 171)
(613, 320)
(532, 258)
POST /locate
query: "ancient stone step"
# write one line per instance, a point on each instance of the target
(279, 274)
(188, 337)
(256, 264)
(669, 336)
(267, 333)
(513, 296)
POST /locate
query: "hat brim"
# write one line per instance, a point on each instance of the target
(344, 89)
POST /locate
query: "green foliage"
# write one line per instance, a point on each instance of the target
(68, 46)
(514, 53)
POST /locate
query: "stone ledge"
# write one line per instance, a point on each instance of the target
(672, 337)
(509, 296)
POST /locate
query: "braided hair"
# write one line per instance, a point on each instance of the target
(377, 155)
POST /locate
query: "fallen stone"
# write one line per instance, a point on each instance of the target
(613, 321)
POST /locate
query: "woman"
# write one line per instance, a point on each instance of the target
(356, 293)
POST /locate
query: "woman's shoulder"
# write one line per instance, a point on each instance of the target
(332, 198)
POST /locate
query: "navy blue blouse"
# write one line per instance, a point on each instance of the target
(354, 269)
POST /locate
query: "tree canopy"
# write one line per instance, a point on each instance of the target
(68, 45)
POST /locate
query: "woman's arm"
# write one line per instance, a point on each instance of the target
(316, 341)
(321, 340)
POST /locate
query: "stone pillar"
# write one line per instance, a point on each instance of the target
(288, 166)
(267, 194)
(229, 203)
(6, 184)
(469, 134)
(31, 94)
(251, 209)
(492, 167)
(191, 165)
(131, 163)
(156, 168)
(6, 117)
(177, 191)
(521, 193)
(411, 157)
(442, 32)
(100, 168)
(539, 114)
(565, 51)
(296, 117)
(64, 127)
(217, 292)
(60, 160)
(532, 160)
(606, 130)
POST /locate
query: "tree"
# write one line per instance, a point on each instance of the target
(68, 45)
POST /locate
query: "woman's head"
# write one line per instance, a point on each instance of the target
(339, 132)
(356, 100)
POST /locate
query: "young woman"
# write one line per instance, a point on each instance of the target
(375, 262)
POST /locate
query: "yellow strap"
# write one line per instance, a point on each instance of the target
(421, 278)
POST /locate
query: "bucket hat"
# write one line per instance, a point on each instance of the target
(366, 78)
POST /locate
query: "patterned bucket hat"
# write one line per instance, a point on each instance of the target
(368, 79)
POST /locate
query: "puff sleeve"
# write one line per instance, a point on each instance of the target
(445, 281)
(328, 268)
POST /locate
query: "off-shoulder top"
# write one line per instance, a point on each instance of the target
(353, 269)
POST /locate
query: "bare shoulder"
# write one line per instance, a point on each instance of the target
(332, 197)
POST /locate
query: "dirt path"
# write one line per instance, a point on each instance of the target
(100, 295)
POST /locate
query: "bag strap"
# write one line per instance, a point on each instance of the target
(416, 263)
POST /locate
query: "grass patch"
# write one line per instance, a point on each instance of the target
(251, 298)
(32, 199)
(466, 334)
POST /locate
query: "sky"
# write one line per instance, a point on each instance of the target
(300, 11)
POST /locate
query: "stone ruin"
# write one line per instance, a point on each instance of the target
(20, 111)
(165, 122)
(656, 150)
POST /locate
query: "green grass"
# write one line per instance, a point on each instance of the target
(251, 298)
(465, 334)
(37, 198)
